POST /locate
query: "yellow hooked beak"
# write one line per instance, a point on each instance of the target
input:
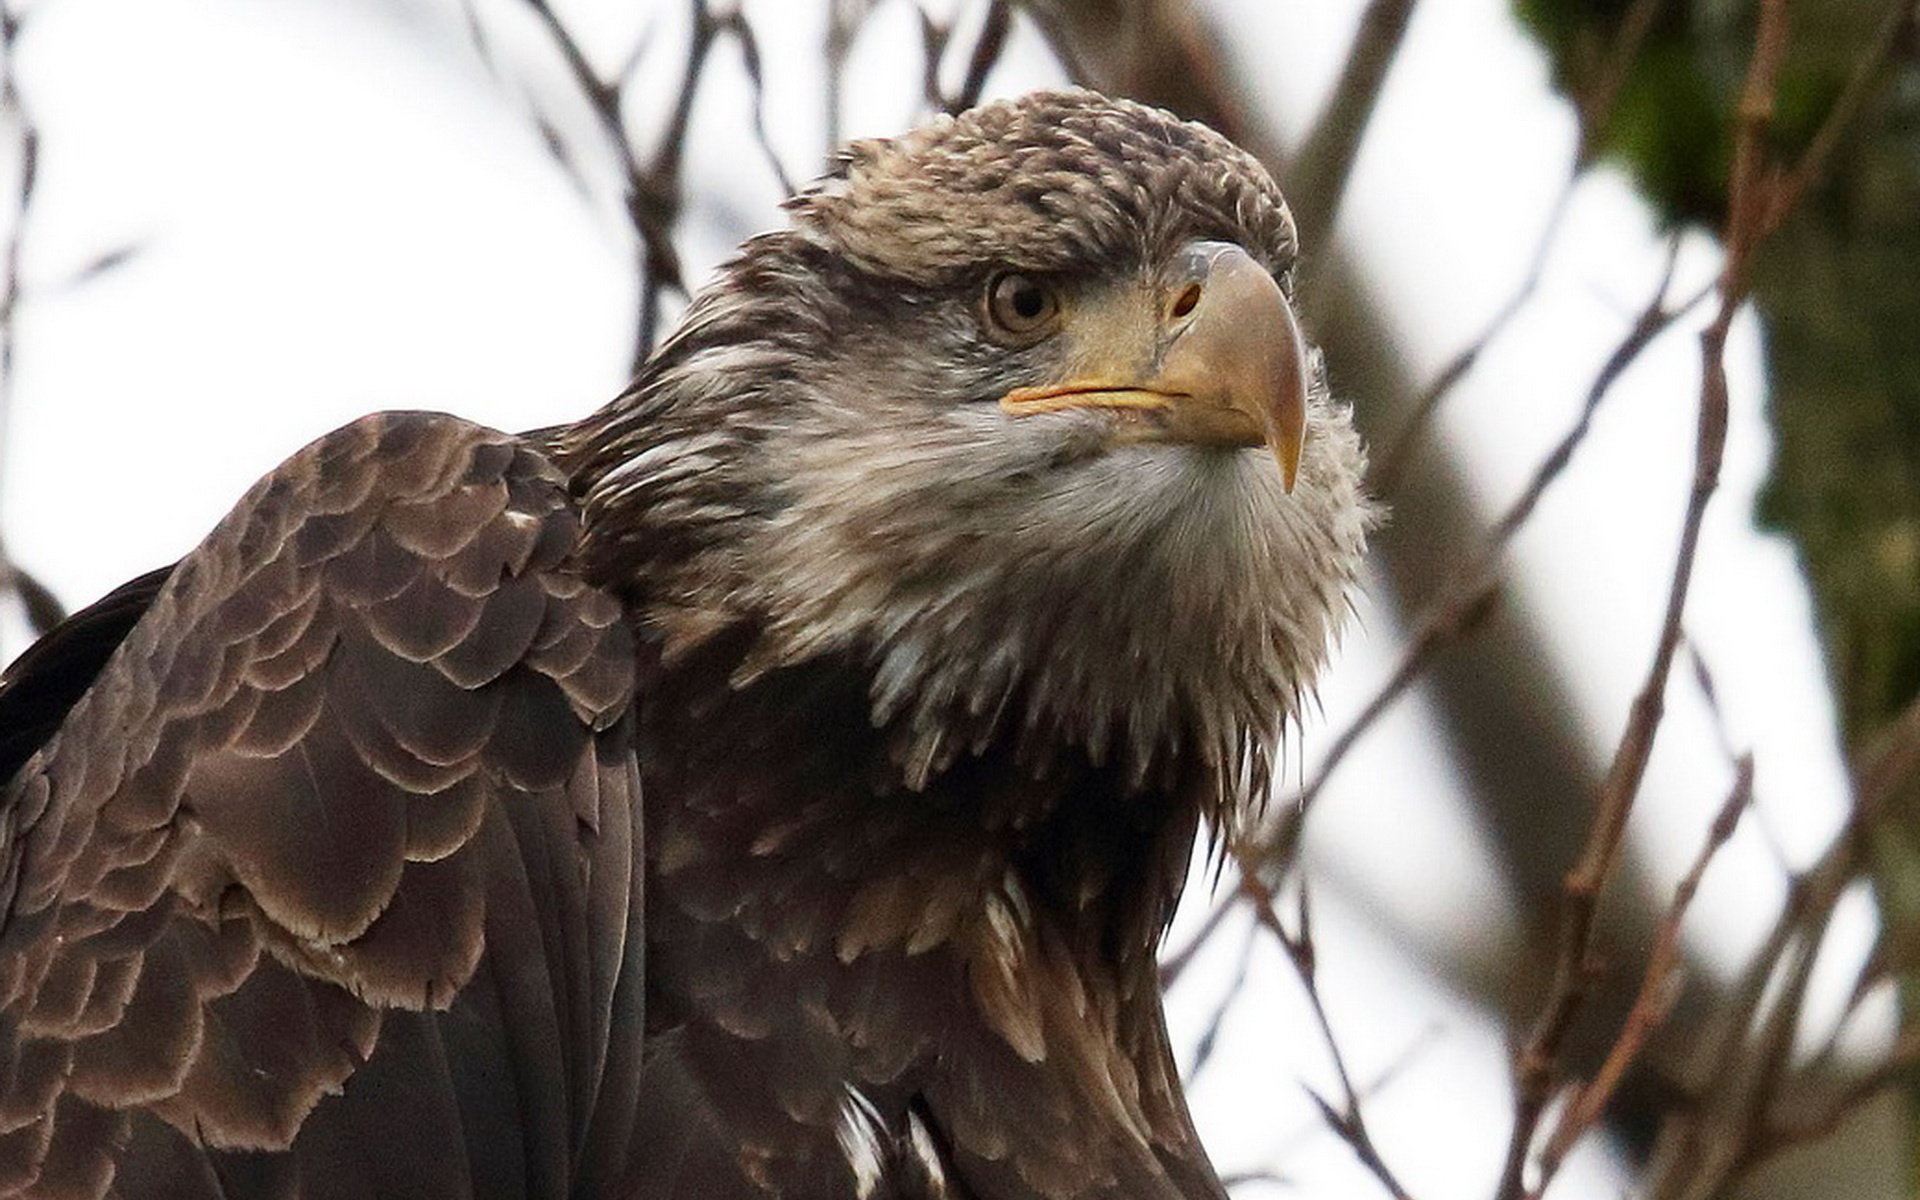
(1214, 356)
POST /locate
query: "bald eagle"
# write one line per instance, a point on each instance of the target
(774, 785)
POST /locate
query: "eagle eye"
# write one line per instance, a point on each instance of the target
(1020, 308)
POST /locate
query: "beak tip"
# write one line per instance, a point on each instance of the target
(1289, 458)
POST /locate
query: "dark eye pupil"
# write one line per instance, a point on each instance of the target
(1020, 305)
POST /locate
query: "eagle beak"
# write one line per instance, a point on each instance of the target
(1220, 360)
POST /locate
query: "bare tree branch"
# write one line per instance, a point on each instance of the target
(43, 608)
(1588, 1102)
(1324, 161)
(844, 20)
(1345, 1118)
(1391, 463)
(1536, 1062)
(934, 39)
(1461, 603)
(735, 23)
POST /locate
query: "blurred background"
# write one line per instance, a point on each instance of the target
(1548, 247)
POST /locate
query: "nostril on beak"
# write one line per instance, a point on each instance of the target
(1186, 301)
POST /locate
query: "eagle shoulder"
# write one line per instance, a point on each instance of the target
(39, 688)
(368, 738)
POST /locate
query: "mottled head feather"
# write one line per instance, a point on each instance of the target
(817, 457)
(1045, 183)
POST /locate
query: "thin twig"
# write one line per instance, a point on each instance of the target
(654, 192)
(652, 189)
(43, 609)
(1658, 987)
(1901, 1067)
(1785, 190)
(1293, 1140)
(1536, 1061)
(1891, 761)
(1209, 1039)
(1385, 477)
(1348, 1119)
(1595, 104)
(1725, 1107)
(1462, 601)
(14, 113)
(937, 36)
(1882, 775)
(844, 21)
(1738, 1097)
(735, 23)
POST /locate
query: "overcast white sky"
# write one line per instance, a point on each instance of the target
(337, 207)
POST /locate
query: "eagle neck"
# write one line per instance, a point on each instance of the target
(790, 771)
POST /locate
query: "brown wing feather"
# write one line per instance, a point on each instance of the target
(328, 884)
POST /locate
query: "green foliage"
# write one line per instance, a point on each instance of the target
(1838, 287)
(1673, 98)
(1841, 290)
(1667, 123)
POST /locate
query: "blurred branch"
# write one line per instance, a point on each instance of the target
(735, 22)
(1783, 190)
(1461, 603)
(1891, 762)
(1209, 1038)
(14, 113)
(1163, 52)
(652, 191)
(1657, 989)
(1298, 1138)
(1723, 1130)
(1596, 105)
(844, 19)
(1732, 1121)
(43, 608)
(1596, 102)
(1392, 462)
(1346, 1119)
(934, 39)
(652, 185)
(1324, 161)
(1537, 1063)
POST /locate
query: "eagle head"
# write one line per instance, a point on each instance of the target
(1017, 415)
